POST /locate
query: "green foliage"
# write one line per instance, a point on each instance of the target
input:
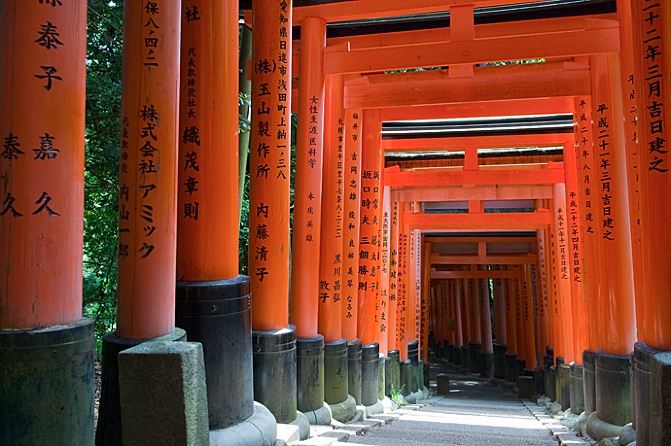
(397, 396)
(103, 110)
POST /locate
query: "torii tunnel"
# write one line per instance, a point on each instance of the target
(478, 182)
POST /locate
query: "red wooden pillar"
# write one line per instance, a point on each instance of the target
(526, 301)
(501, 337)
(426, 302)
(545, 291)
(269, 208)
(511, 310)
(43, 55)
(308, 203)
(352, 208)
(562, 261)
(385, 271)
(575, 244)
(402, 286)
(616, 309)
(392, 322)
(371, 206)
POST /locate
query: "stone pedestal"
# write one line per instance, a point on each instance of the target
(643, 358)
(613, 399)
(108, 432)
(406, 378)
(499, 361)
(310, 379)
(511, 372)
(413, 357)
(563, 384)
(525, 387)
(380, 379)
(551, 382)
(577, 393)
(218, 315)
(370, 364)
(443, 382)
(47, 385)
(589, 380)
(659, 432)
(392, 370)
(354, 370)
(274, 354)
(486, 365)
(163, 394)
(474, 357)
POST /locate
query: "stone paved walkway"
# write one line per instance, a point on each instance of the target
(474, 413)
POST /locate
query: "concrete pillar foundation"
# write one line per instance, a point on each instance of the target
(486, 361)
(380, 378)
(643, 358)
(589, 380)
(474, 358)
(310, 375)
(550, 377)
(336, 372)
(613, 399)
(258, 430)
(511, 371)
(499, 361)
(163, 396)
(392, 372)
(370, 360)
(563, 384)
(577, 392)
(108, 431)
(218, 315)
(47, 385)
(274, 354)
(660, 400)
(354, 370)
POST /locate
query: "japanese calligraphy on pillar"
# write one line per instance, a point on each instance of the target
(190, 126)
(651, 20)
(585, 161)
(270, 153)
(313, 161)
(402, 289)
(351, 197)
(418, 284)
(561, 241)
(604, 154)
(542, 272)
(385, 266)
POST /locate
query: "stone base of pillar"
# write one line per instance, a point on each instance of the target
(370, 364)
(374, 409)
(511, 371)
(336, 373)
(319, 417)
(163, 394)
(450, 354)
(563, 384)
(613, 398)
(392, 370)
(218, 315)
(499, 361)
(599, 429)
(108, 431)
(539, 382)
(458, 357)
(406, 379)
(525, 387)
(310, 366)
(344, 411)
(380, 379)
(660, 400)
(474, 359)
(425, 368)
(486, 365)
(465, 357)
(354, 369)
(413, 357)
(258, 430)
(589, 380)
(577, 392)
(274, 354)
(47, 385)
(643, 358)
(303, 425)
(550, 377)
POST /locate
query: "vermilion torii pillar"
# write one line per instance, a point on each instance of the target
(589, 221)
(387, 318)
(462, 290)
(372, 165)
(147, 194)
(350, 262)
(308, 208)
(273, 340)
(331, 252)
(42, 52)
(392, 367)
(501, 332)
(652, 42)
(207, 218)
(473, 289)
(458, 331)
(487, 359)
(511, 331)
(613, 403)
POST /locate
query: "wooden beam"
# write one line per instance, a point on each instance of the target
(491, 221)
(512, 82)
(454, 177)
(477, 239)
(371, 9)
(509, 259)
(458, 143)
(442, 275)
(459, 193)
(538, 106)
(339, 60)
